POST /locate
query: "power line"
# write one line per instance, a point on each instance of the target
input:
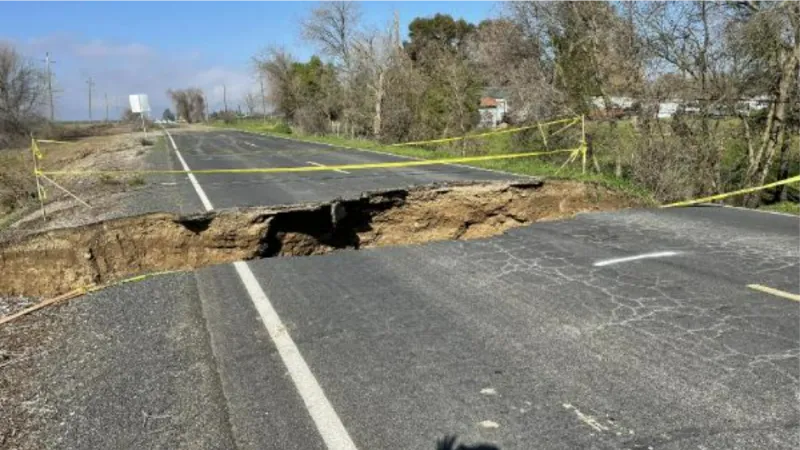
(91, 84)
(225, 98)
(49, 72)
(263, 98)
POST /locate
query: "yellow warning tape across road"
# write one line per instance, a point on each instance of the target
(711, 198)
(574, 120)
(385, 165)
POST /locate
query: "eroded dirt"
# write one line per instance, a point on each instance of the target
(57, 261)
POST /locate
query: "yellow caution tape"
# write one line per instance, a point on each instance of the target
(96, 287)
(795, 179)
(386, 165)
(77, 292)
(490, 133)
(37, 153)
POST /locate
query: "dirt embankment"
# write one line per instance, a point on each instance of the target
(57, 261)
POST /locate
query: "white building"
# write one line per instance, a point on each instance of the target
(753, 104)
(616, 102)
(492, 111)
(667, 109)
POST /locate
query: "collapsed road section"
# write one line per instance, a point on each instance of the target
(57, 261)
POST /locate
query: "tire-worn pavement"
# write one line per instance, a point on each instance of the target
(414, 343)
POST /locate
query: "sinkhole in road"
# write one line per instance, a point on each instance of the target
(57, 261)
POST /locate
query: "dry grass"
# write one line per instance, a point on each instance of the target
(110, 151)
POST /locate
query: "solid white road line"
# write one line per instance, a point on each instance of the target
(608, 262)
(776, 292)
(200, 193)
(328, 423)
(323, 165)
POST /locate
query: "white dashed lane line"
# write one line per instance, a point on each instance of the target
(608, 262)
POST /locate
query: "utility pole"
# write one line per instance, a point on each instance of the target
(263, 97)
(105, 95)
(205, 100)
(47, 62)
(90, 83)
(225, 98)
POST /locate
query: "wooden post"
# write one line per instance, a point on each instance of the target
(590, 153)
(39, 190)
(583, 144)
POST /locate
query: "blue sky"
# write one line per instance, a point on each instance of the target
(149, 47)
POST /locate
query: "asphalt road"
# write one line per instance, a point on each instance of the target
(541, 338)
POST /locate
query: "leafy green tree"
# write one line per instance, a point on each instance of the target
(168, 115)
(440, 32)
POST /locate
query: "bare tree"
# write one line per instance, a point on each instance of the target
(189, 104)
(251, 101)
(766, 37)
(197, 104)
(22, 89)
(507, 57)
(727, 52)
(181, 102)
(404, 91)
(373, 54)
(687, 40)
(276, 66)
(332, 27)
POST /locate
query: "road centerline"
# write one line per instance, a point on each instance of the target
(775, 292)
(608, 262)
(323, 165)
(327, 421)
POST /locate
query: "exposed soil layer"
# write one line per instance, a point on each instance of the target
(57, 261)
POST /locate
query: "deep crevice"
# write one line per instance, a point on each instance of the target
(57, 261)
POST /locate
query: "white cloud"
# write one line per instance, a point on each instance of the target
(219, 83)
(120, 69)
(101, 49)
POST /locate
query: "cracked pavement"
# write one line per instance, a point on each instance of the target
(664, 353)
(518, 341)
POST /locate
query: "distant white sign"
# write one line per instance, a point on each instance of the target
(139, 103)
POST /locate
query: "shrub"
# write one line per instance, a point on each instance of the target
(108, 179)
(136, 181)
(282, 128)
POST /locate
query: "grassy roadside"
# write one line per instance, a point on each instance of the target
(783, 207)
(523, 166)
